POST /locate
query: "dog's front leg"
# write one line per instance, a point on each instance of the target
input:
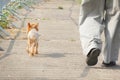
(28, 46)
(32, 48)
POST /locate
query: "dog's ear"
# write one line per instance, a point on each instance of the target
(28, 27)
(37, 26)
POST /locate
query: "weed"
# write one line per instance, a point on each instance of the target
(3, 24)
(60, 7)
(79, 1)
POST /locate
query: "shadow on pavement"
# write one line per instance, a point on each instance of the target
(52, 55)
(10, 47)
(113, 67)
(86, 70)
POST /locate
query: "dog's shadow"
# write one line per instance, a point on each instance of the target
(52, 55)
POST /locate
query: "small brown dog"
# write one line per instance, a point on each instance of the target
(33, 37)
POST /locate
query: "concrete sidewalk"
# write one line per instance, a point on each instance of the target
(60, 55)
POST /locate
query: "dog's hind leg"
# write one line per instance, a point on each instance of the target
(36, 48)
(31, 51)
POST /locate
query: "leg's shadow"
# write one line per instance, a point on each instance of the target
(86, 70)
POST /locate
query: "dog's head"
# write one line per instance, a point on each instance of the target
(32, 26)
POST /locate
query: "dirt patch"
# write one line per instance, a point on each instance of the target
(17, 33)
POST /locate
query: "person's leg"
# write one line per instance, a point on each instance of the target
(112, 30)
(91, 26)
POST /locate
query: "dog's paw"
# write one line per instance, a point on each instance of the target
(36, 52)
(31, 55)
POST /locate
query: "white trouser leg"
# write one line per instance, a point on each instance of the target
(112, 31)
(91, 24)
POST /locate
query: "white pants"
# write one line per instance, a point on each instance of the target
(97, 16)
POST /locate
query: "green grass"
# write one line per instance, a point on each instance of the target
(3, 20)
(72, 40)
(19, 7)
(79, 1)
(3, 24)
(45, 19)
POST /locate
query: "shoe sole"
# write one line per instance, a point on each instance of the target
(92, 59)
(111, 64)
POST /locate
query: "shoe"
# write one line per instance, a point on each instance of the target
(112, 63)
(92, 57)
(1, 49)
